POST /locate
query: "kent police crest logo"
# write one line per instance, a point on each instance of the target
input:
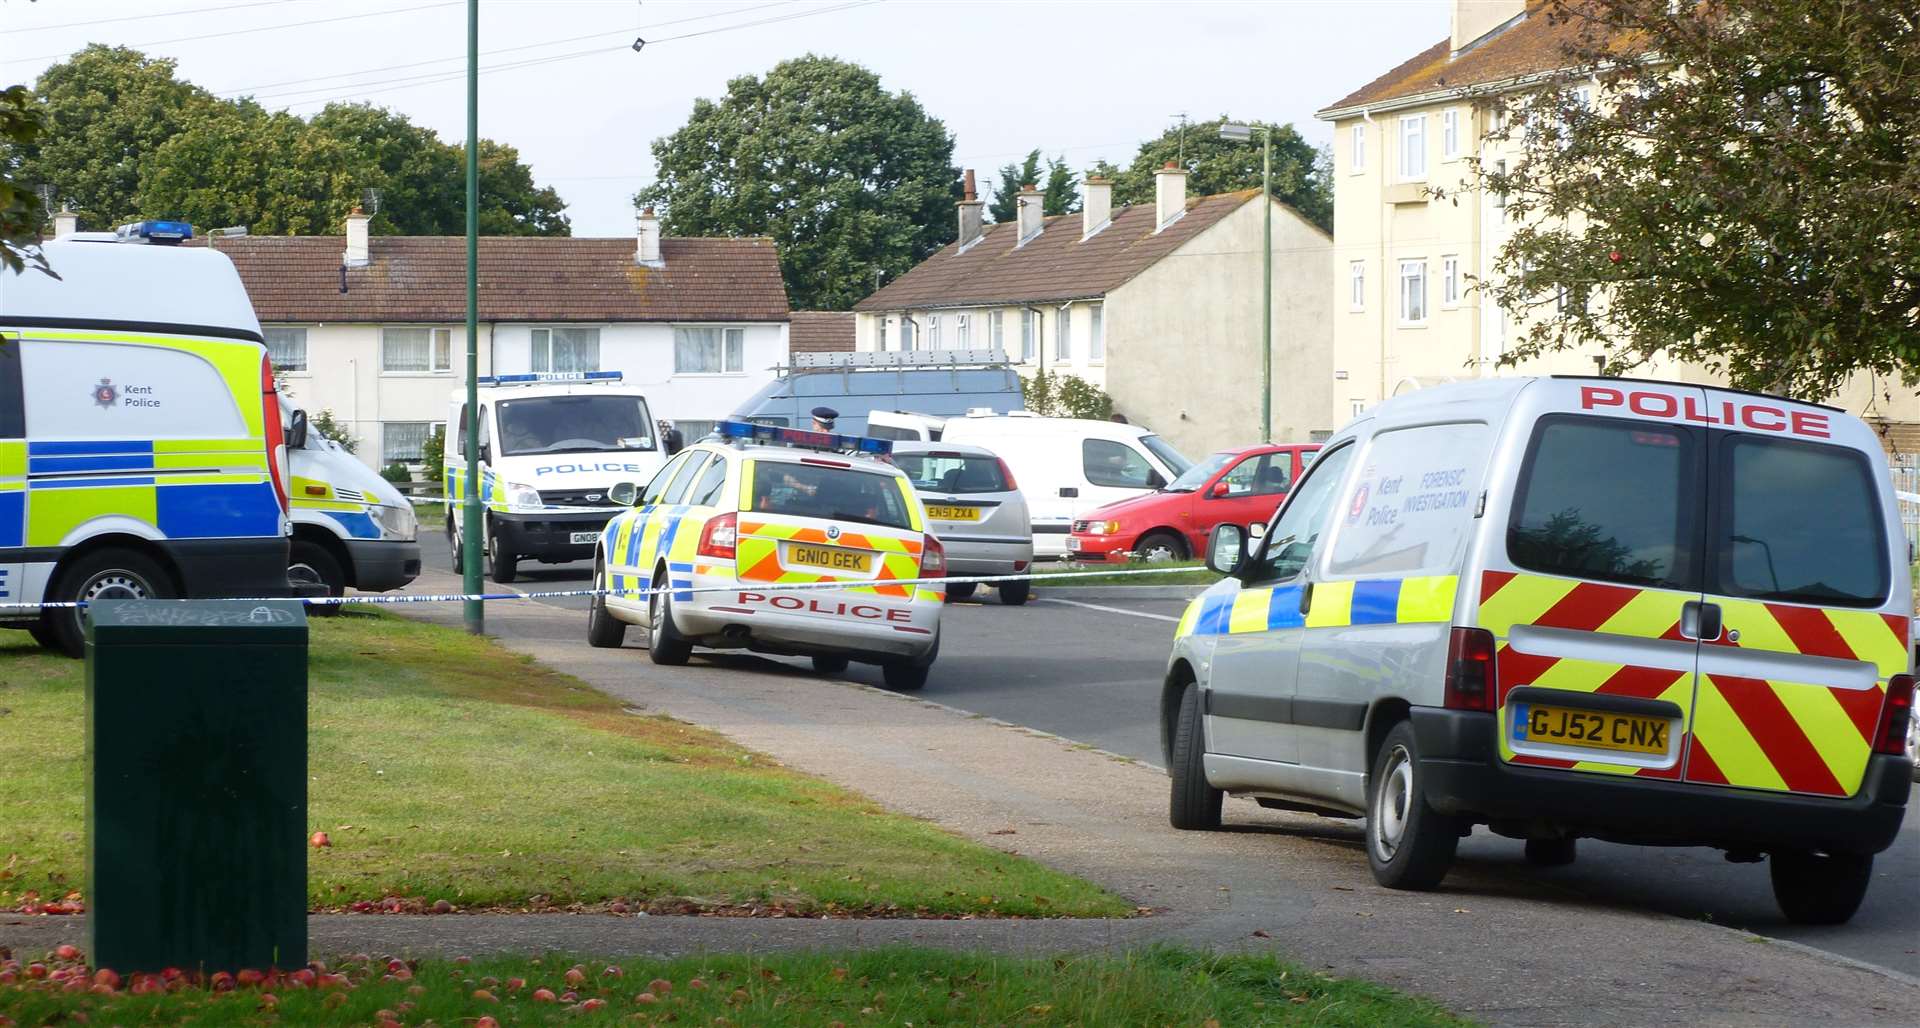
(105, 394)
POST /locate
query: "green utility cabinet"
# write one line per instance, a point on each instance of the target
(196, 784)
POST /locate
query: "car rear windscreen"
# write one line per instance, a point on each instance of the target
(824, 491)
(1799, 523)
(938, 472)
(1609, 500)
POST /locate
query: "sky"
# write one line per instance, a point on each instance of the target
(1086, 80)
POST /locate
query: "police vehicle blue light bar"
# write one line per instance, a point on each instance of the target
(537, 377)
(164, 233)
(803, 438)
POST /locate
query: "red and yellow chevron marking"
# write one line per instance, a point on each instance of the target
(1774, 734)
(758, 558)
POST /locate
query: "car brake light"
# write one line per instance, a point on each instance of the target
(1894, 716)
(1470, 670)
(933, 559)
(1007, 473)
(825, 463)
(718, 538)
(276, 435)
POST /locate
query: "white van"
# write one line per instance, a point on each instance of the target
(551, 445)
(1065, 466)
(1643, 612)
(351, 528)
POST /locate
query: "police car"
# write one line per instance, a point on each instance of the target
(1636, 611)
(756, 507)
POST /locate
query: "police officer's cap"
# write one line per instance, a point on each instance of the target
(825, 415)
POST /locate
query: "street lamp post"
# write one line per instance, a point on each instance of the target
(470, 515)
(1242, 133)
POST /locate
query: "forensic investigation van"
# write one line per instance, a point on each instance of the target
(351, 528)
(550, 447)
(1635, 611)
(142, 448)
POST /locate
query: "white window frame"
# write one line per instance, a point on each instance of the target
(1356, 285)
(996, 324)
(1358, 163)
(908, 331)
(1097, 333)
(291, 332)
(1450, 134)
(1063, 334)
(1413, 147)
(439, 350)
(540, 347)
(933, 331)
(879, 331)
(963, 332)
(1029, 335)
(1413, 292)
(733, 359)
(1450, 281)
(386, 431)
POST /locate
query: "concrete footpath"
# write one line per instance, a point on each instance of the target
(1486, 947)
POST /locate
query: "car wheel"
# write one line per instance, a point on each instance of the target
(110, 574)
(1195, 805)
(1159, 548)
(961, 590)
(1014, 594)
(1550, 852)
(829, 665)
(1409, 844)
(308, 561)
(503, 565)
(910, 675)
(603, 629)
(1819, 888)
(665, 644)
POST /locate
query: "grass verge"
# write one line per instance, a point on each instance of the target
(1190, 573)
(884, 986)
(444, 767)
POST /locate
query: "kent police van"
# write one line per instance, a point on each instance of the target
(1635, 611)
(551, 445)
(351, 528)
(142, 452)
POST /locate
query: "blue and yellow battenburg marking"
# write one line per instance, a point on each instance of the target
(1423, 599)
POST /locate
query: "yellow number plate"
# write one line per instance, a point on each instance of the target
(954, 513)
(1590, 729)
(830, 558)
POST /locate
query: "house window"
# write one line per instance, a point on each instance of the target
(879, 331)
(1450, 133)
(1413, 292)
(1581, 99)
(1359, 149)
(1500, 198)
(1357, 285)
(1449, 281)
(1413, 147)
(964, 333)
(1356, 407)
(999, 329)
(906, 331)
(402, 441)
(1029, 331)
(415, 349)
(1097, 333)
(565, 349)
(287, 347)
(709, 350)
(1063, 334)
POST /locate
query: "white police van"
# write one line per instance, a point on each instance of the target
(550, 447)
(351, 528)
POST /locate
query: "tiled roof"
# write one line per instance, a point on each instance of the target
(522, 278)
(1531, 46)
(1055, 265)
(820, 332)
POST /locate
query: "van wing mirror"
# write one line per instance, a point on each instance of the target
(297, 430)
(623, 494)
(1226, 548)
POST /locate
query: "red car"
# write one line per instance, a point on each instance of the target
(1243, 486)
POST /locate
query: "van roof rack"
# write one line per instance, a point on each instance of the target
(894, 360)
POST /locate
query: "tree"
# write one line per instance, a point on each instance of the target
(330, 428)
(1061, 395)
(20, 211)
(1006, 187)
(236, 164)
(1757, 212)
(848, 179)
(422, 180)
(1216, 165)
(1062, 195)
(510, 204)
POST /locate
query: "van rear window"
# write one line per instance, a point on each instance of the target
(823, 491)
(1799, 522)
(1609, 500)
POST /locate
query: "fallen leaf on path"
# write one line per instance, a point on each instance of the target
(1261, 933)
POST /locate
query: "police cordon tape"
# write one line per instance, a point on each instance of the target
(554, 594)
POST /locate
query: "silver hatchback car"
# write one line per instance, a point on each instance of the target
(976, 509)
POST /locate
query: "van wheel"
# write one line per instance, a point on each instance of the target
(1819, 888)
(1160, 547)
(308, 561)
(42, 635)
(109, 574)
(827, 665)
(603, 629)
(1550, 852)
(503, 566)
(453, 546)
(665, 644)
(961, 590)
(1195, 805)
(1014, 594)
(1409, 844)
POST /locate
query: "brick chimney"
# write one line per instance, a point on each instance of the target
(65, 223)
(1169, 194)
(357, 255)
(646, 242)
(1032, 210)
(1097, 208)
(972, 211)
